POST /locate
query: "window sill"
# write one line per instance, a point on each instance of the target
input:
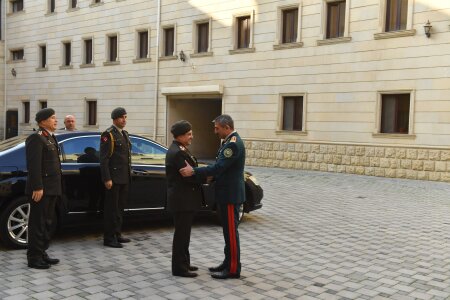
(15, 61)
(141, 60)
(201, 54)
(287, 46)
(333, 41)
(291, 132)
(41, 69)
(394, 136)
(242, 51)
(91, 126)
(24, 124)
(87, 66)
(111, 63)
(15, 13)
(72, 9)
(168, 58)
(96, 4)
(49, 14)
(394, 34)
(65, 67)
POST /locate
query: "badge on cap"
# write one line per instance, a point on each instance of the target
(228, 152)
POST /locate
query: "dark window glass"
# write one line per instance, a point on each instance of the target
(202, 37)
(243, 32)
(88, 51)
(292, 113)
(395, 113)
(67, 54)
(335, 19)
(396, 14)
(26, 112)
(43, 104)
(112, 48)
(73, 3)
(144, 152)
(17, 5)
(17, 54)
(77, 149)
(97, 1)
(169, 35)
(43, 56)
(290, 25)
(52, 6)
(92, 112)
(143, 44)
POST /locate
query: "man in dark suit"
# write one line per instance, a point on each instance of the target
(184, 197)
(43, 188)
(115, 166)
(228, 173)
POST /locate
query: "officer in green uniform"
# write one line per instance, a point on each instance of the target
(228, 174)
(115, 166)
(43, 188)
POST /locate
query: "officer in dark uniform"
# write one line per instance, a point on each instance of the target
(228, 173)
(43, 188)
(184, 197)
(115, 166)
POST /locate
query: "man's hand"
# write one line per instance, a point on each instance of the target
(37, 195)
(187, 171)
(108, 184)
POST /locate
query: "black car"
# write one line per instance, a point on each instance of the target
(83, 191)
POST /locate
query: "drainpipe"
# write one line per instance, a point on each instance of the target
(3, 13)
(155, 109)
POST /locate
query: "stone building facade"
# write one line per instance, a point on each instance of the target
(341, 86)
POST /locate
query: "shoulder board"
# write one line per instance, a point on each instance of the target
(110, 129)
(42, 132)
(182, 148)
(233, 139)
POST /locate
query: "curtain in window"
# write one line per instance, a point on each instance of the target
(396, 14)
(169, 35)
(290, 21)
(203, 37)
(243, 32)
(143, 44)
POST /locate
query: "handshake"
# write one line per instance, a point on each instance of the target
(188, 171)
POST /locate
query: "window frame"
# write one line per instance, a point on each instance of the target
(26, 112)
(89, 114)
(11, 6)
(11, 53)
(196, 36)
(280, 122)
(235, 33)
(163, 51)
(84, 63)
(43, 104)
(108, 53)
(42, 57)
(383, 34)
(64, 64)
(51, 7)
(278, 43)
(138, 33)
(323, 38)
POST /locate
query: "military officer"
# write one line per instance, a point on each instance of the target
(115, 166)
(43, 187)
(184, 197)
(228, 173)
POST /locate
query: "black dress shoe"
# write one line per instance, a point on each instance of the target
(113, 244)
(225, 275)
(123, 240)
(38, 265)
(50, 261)
(219, 268)
(193, 268)
(185, 274)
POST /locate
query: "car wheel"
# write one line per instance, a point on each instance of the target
(14, 223)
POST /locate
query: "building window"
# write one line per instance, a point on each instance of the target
(202, 37)
(88, 47)
(396, 15)
(112, 48)
(243, 32)
(169, 41)
(26, 112)
(91, 118)
(51, 6)
(67, 53)
(16, 6)
(42, 56)
(395, 110)
(292, 113)
(143, 44)
(43, 104)
(290, 25)
(73, 3)
(335, 19)
(17, 54)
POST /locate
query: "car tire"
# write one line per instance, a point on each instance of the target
(14, 223)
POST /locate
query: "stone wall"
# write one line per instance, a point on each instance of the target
(384, 161)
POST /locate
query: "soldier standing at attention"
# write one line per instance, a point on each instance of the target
(184, 197)
(228, 173)
(43, 187)
(115, 165)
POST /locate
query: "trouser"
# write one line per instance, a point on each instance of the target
(40, 222)
(182, 235)
(115, 199)
(229, 214)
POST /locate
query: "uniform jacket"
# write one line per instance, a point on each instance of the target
(228, 171)
(43, 164)
(115, 156)
(183, 193)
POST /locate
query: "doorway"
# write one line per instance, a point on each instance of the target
(12, 123)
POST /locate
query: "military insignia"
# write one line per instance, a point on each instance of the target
(105, 138)
(228, 152)
(233, 139)
(182, 148)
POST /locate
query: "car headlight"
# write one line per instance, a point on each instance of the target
(253, 179)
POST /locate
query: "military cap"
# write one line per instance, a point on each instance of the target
(44, 114)
(118, 112)
(180, 128)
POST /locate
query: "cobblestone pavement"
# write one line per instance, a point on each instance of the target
(318, 236)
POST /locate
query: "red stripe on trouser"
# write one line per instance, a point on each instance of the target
(232, 236)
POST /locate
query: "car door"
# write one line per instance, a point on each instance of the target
(148, 186)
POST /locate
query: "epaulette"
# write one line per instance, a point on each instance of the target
(42, 132)
(182, 148)
(109, 129)
(233, 139)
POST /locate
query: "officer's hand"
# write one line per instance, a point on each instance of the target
(37, 195)
(108, 184)
(187, 170)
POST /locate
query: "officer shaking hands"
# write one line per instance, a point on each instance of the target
(115, 165)
(43, 187)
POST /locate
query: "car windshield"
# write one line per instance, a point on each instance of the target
(9, 143)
